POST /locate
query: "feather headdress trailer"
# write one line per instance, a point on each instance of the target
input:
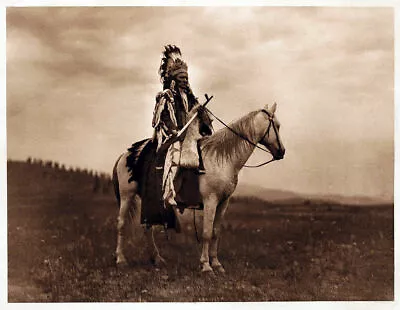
(171, 63)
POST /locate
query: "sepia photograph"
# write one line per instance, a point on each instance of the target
(193, 154)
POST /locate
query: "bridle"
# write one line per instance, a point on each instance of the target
(271, 124)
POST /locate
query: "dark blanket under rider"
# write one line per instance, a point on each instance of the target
(142, 163)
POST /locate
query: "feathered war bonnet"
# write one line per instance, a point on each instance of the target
(171, 64)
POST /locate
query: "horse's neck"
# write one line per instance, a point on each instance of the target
(247, 150)
(232, 148)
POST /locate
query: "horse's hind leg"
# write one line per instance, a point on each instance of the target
(127, 205)
(121, 228)
(219, 215)
(155, 256)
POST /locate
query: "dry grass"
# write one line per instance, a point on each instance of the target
(61, 249)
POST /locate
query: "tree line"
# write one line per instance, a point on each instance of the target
(52, 171)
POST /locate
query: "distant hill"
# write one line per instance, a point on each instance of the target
(36, 178)
(288, 197)
(272, 195)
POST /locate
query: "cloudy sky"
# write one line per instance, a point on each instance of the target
(81, 84)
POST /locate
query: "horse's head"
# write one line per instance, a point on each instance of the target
(271, 139)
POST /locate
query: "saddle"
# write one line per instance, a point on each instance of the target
(142, 163)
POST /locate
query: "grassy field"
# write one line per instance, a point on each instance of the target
(62, 238)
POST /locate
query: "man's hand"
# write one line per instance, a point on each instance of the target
(173, 133)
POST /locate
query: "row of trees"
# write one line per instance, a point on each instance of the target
(100, 182)
(57, 166)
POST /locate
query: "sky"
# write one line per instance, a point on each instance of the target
(81, 85)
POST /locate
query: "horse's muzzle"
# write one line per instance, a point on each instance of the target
(280, 154)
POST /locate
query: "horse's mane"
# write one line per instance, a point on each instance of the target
(225, 144)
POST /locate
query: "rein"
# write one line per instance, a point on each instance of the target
(247, 139)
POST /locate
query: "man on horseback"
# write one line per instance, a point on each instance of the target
(174, 106)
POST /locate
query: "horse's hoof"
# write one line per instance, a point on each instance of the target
(207, 270)
(208, 274)
(122, 264)
(219, 269)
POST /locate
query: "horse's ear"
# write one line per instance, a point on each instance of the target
(273, 108)
(266, 107)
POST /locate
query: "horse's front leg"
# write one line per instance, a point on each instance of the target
(210, 205)
(219, 215)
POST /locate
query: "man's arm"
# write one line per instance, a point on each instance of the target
(164, 112)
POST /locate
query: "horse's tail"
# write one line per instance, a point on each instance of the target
(116, 182)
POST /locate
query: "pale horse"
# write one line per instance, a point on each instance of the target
(224, 154)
